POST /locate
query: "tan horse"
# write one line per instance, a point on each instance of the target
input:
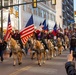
(37, 49)
(16, 51)
(59, 45)
(40, 51)
(66, 42)
(52, 50)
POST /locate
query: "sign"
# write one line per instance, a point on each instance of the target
(75, 13)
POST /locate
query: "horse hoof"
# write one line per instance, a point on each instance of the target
(14, 65)
(31, 58)
(47, 59)
(50, 58)
(19, 63)
(39, 64)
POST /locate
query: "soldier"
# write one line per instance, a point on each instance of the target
(16, 36)
(3, 45)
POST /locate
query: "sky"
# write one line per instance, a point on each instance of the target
(74, 4)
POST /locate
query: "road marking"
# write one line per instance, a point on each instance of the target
(20, 70)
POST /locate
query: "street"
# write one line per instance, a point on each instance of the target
(55, 66)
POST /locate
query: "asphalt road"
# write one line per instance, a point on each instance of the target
(55, 66)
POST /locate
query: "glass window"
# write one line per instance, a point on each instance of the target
(11, 2)
(6, 2)
(54, 18)
(47, 15)
(29, 8)
(24, 7)
(35, 11)
(44, 14)
(38, 11)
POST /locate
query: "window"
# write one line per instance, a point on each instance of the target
(51, 16)
(35, 11)
(29, 8)
(11, 2)
(6, 2)
(38, 11)
(24, 7)
(44, 14)
(47, 15)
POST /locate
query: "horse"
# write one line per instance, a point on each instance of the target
(59, 45)
(37, 49)
(66, 42)
(16, 51)
(52, 50)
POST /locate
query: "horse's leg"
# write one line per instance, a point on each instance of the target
(14, 58)
(40, 58)
(55, 52)
(60, 50)
(44, 53)
(47, 53)
(50, 52)
(19, 58)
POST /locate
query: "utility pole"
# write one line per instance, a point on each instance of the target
(1, 19)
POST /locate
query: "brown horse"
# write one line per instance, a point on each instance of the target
(52, 50)
(38, 49)
(66, 42)
(59, 45)
(16, 51)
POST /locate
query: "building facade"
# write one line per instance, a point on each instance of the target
(21, 14)
(44, 10)
(6, 11)
(64, 12)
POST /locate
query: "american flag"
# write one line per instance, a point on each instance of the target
(55, 31)
(9, 29)
(27, 32)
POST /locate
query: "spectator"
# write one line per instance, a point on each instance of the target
(70, 65)
(73, 45)
(2, 48)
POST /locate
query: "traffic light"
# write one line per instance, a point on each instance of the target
(34, 3)
(53, 2)
(11, 10)
(16, 14)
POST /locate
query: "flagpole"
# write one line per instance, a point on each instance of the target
(1, 19)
